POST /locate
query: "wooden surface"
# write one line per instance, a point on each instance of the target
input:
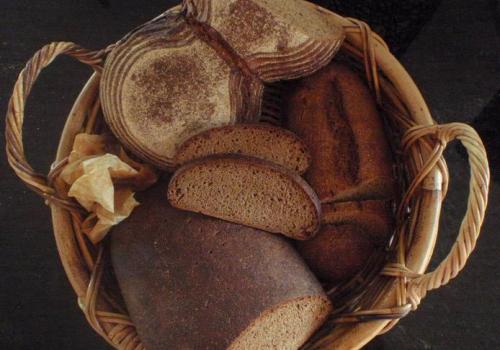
(38, 308)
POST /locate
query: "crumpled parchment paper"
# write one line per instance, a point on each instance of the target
(104, 179)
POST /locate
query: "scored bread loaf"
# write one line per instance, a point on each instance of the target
(277, 39)
(194, 282)
(262, 141)
(248, 191)
(335, 114)
(161, 85)
(192, 69)
(351, 168)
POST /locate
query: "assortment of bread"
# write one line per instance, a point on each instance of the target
(229, 250)
(204, 65)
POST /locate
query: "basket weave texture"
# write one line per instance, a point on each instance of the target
(392, 284)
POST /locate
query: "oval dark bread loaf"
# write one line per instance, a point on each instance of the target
(351, 169)
(335, 114)
(350, 234)
(192, 282)
(266, 142)
(338, 251)
(248, 191)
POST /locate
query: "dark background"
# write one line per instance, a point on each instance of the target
(451, 47)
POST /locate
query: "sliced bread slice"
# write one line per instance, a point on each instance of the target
(194, 282)
(248, 191)
(262, 141)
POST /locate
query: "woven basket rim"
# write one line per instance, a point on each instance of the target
(358, 335)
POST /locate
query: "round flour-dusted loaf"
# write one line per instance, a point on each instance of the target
(277, 39)
(194, 282)
(162, 85)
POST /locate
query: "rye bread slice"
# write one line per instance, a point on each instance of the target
(194, 282)
(266, 142)
(248, 191)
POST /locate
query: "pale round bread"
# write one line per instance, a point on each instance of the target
(162, 86)
(279, 39)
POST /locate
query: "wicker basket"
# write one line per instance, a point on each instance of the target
(391, 285)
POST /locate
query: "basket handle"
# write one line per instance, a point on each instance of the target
(476, 206)
(15, 112)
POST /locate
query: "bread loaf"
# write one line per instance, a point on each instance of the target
(351, 168)
(194, 282)
(277, 39)
(350, 234)
(338, 252)
(247, 191)
(195, 68)
(276, 145)
(336, 116)
(162, 85)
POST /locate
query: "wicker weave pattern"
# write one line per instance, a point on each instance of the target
(422, 168)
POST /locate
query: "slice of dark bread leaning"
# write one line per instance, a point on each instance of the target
(248, 191)
(262, 141)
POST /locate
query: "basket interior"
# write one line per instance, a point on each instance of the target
(355, 300)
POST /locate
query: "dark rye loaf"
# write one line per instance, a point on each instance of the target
(266, 142)
(192, 282)
(351, 168)
(248, 191)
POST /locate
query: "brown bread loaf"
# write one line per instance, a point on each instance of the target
(336, 116)
(351, 168)
(248, 191)
(277, 39)
(266, 142)
(337, 252)
(350, 234)
(194, 282)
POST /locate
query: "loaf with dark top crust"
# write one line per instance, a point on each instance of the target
(194, 282)
(248, 191)
(351, 168)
